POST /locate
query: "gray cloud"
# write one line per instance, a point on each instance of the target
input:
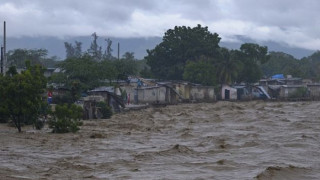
(295, 23)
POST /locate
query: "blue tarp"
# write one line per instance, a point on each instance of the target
(277, 76)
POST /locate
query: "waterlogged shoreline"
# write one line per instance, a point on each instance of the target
(223, 140)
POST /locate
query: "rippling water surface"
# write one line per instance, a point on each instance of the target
(224, 140)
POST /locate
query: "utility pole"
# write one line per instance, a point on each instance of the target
(4, 60)
(1, 62)
(118, 51)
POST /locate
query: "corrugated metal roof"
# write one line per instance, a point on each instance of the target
(104, 88)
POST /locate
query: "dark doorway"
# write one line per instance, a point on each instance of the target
(240, 92)
(227, 94)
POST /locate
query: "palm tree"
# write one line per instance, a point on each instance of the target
(228, 66)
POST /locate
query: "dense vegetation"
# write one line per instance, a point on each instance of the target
(194, 54)
(281, 63)
(18, 57)
(185, 53)
(21, 95)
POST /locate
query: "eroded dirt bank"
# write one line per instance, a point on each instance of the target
(225, 140)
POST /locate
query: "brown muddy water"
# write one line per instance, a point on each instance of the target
(224, 140)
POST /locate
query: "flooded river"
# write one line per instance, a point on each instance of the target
(224, 140)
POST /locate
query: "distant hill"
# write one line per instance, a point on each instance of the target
(55, 46)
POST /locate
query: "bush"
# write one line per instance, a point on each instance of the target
(105, 110)
(39, 122)
(66, 118)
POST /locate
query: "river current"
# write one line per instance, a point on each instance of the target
(223, 140)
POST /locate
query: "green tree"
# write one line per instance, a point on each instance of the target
(201, 71)
(66, 118)
(95, 50)
(78, 49)
(4, 114)
(124, 68)
(107, 70)
(73, 51)
(228, 66)
(22, 95)
(88, 73)
(82, 70)
(144, 69)
(50, 62)
(168, 59)
(105, 110)
(18, 57)
(281, 63)
(310, 66)
(59, 78)
(128, 56)
(251, 56)
(108, 52)
(69, 50)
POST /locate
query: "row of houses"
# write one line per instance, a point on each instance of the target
(277, 87)
(145, 91)
(160, 93)
(289, 87)
(243, 92)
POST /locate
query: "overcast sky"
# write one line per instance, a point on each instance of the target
(292, 22)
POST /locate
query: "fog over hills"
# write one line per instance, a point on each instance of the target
(55, 46)
(272, 46)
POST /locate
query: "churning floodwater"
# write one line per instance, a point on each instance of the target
(223, 140)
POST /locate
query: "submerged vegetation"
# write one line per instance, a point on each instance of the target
(66, 118)
(105, 110)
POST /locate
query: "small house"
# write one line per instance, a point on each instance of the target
(183, 88)
(228, 93)
(202, 93)
(114, 101)
(91, 111)
(151, 95)
(314, 90)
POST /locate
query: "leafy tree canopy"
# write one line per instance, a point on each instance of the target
(168, 59)
(228, 66)
(201, 71)
(83, 70)
(73, 51)
(18, 57)
(88, 73)
(66, 118)
(21, 95)
(252, 56)
(282, 63)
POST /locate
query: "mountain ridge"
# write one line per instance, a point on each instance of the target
(139, 45)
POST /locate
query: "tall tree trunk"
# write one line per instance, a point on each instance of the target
(17, 123)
